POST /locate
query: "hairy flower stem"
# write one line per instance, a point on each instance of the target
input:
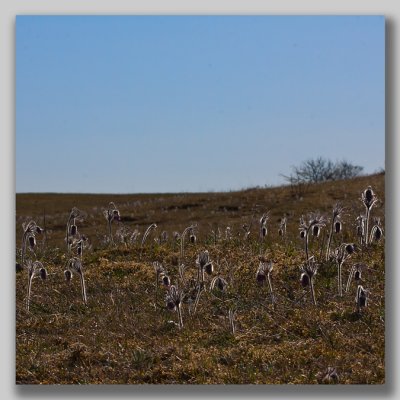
(306, 244)
(83, 287)
(349, 279)
(366, 225)
(68, 233)
(145, 236)
(196, 302)
(28, 298)
(183, 240)
(110, 232)
(24, 240)
(340, 289)
(270, 289)
(313, 292)
(328, 247)
(231, 316)
(156, 299)
(180, 320)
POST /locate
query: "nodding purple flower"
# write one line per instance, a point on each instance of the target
(43, 273)
(350, 248)
(304, 280)
(173, 301)
(316, 230)
(376, 231)
(355, 272)
(30, 229)
(32, 241)
(302, 234)
(308, 272)
(209, 268)
(361, 298)
(368, 197)
(263, 225)
(219, 283)
(166, 281)
(73, 230)
(192, 238)
(338, 227)
(264, 275)
(68, 275)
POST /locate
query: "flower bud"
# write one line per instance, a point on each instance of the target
(32, 241)
(209, 268)
(166, 281)
(264, 231)
(378, 233)
(74, 229)
(316, 230)
(261, 277)
(68, 275)
(43, 273)
(304, 280)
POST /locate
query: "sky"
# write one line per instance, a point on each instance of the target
(152, 104)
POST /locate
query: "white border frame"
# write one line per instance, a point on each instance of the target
(9, 9)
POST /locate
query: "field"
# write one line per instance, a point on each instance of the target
(265, 330)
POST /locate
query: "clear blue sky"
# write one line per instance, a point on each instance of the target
(127, 104)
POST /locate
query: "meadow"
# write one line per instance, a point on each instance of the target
(203, 288)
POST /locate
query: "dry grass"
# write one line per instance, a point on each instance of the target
(122, 336)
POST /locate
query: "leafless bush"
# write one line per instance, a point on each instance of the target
(321, 170)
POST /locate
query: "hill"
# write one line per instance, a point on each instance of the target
(253, 331)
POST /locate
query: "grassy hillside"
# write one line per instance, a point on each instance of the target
(126, 334)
